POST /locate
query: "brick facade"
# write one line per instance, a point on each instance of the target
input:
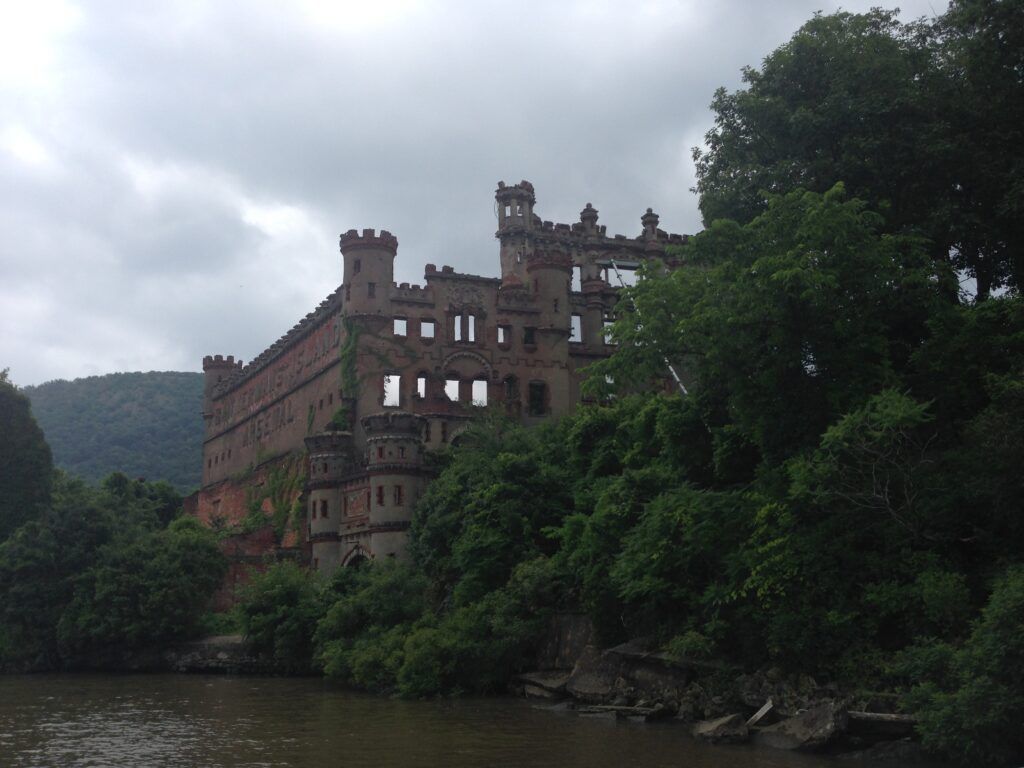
(380, 373)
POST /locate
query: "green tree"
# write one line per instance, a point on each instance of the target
(26, 466)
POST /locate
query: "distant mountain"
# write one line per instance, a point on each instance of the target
(143, 424)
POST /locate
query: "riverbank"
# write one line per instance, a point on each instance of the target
(714, 703)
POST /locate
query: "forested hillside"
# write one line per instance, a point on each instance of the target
(142, 424)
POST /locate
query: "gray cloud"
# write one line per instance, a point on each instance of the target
(175, 175)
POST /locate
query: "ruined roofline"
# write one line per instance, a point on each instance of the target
(430, 271)
(242, 374)
(584, 233)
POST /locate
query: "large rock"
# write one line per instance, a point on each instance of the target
(731, 729)
(593, 678)
(807, 731)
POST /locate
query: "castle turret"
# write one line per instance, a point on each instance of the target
(369, 271)
(216, 368)
(330, 504)
(394, 463)
(650, 224)
(515, 222)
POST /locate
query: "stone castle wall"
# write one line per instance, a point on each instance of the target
(381, 373)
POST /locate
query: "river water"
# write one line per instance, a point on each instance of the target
(205, 721)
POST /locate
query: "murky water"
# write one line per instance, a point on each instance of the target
(183, 720)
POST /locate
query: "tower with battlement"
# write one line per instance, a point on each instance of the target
(325, 432)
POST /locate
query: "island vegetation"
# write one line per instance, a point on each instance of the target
(838, 494)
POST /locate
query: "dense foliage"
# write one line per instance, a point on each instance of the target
(102, 573)
(143, 424)
(25, 463)
(924, 122)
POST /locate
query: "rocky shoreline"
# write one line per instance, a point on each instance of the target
(723, 706)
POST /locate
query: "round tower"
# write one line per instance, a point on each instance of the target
(394, 463)
(331, 459)
(515, 221)
(369, 270)
(549, 278)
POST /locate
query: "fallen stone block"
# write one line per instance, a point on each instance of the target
(807, 731)
(731, 729)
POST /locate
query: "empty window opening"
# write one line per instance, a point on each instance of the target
(399, 495)
(380, 495)
(577, 279)
(471, 328)
(537, 398)
(401, 451)
(608, 331)
(330, 400)
(457, 328)
(312, 510)
(371, 290)
(400, 326)
(444, 431)
(392, 389)
(529, 336)
(356, 266)
(380, 452)
(324, 467)
(323, 508)
(508, 210)
(427, 329)
(511, 388)
(451, 389)
(421, 386)
(576, 329)
(504, 334)
(627, 276)
(479, 392)
(519, 209)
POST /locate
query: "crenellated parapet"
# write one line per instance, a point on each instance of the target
(354, 240)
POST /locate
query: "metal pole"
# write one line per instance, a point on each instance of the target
(671, 369)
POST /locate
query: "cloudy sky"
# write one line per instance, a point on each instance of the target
(175, 175)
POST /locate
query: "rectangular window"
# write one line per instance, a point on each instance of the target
(380, 495)
(371, 290)
(399, 496)
(401, 451)
(530, 336)
(504, 334)
(400, 327)
(577, 279)
(479, 392)
(471, 333)
(356, 266)
(444, 431)
(380, 452)
(421, 386)
(576, 329)
(392, 390)
(323, 508)
(451, 389)
(312, 510)
(607, 331)
(427, 329)
(457, 328)
(537, 403)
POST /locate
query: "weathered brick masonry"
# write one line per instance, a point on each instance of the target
(321, 439)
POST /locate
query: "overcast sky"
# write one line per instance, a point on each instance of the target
(175, 175)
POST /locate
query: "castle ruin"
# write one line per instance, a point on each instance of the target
(325, 433)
